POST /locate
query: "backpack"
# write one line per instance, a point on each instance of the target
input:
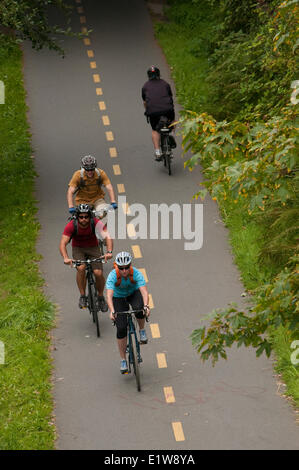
(82, 183)
(75, 223)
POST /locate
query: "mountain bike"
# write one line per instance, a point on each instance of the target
(92, 302)
(133, 348)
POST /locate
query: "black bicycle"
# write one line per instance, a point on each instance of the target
(133, 346)
(167, 142)
(92, 297)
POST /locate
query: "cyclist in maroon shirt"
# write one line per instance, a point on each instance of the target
(82, 231)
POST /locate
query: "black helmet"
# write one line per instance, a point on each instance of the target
(153, 72)
(88, 162)
(83, 208)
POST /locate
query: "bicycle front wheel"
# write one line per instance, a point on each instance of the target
(135, 361)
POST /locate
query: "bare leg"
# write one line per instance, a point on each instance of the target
(122, 346)
(100, 281)
(156, 140)
(81, 279)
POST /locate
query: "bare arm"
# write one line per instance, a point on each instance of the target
(109, 295)
(145, 297)
(110, 190)
(63, 251)
(70, 193)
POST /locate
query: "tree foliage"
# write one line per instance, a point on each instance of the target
(251, 158)
(30, 20)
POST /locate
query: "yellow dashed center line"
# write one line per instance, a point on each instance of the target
(155, 330)
(102, 105)
(116, 170)
(161, 360)
(113, 152)
(154, 327)
(126, 208)
(110, 137)
(121, 188)
(169, 395)
(143, 271)
(106, 120)
(136, 251)
(150, 301)
(178, 431)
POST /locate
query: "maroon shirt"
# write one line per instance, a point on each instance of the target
(85, 237)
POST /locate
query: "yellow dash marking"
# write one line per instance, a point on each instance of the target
(80, 9)
(126, 208)
(143, 271)
(93, 65)
(82, 19)
(178, 431)
(96, 79)
(150, 301)
(161, 359)
(136, 251)
(155, 330)
(86, 41)
(131, 231)
(116, 170)
(84, 30)
(113, 152)
(106, 120)
(102, 105)
(169, 395)
(121, 188)
(109, 136)
(90, 53)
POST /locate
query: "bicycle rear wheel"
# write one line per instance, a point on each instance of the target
(135, 361)
(92, 305)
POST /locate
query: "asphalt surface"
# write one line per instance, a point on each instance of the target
(234, 405)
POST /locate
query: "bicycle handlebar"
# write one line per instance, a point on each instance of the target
(78, 262)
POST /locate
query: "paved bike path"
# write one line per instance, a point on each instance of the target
(234, 405)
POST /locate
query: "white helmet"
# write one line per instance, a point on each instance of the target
(123, 258)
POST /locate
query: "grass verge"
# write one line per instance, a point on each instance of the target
(188, 58)
(26, 316)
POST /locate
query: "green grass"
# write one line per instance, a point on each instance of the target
(26, 316)
(188, 58)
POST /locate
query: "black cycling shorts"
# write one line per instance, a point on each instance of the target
(122, 304)
(154, 119)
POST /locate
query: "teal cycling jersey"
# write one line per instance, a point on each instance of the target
(126, 287)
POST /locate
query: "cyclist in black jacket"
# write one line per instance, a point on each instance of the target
(157, 99)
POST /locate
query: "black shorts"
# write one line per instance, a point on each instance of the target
(122, 304)
(154, 119)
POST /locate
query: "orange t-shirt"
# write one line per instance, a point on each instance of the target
(91, 191)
